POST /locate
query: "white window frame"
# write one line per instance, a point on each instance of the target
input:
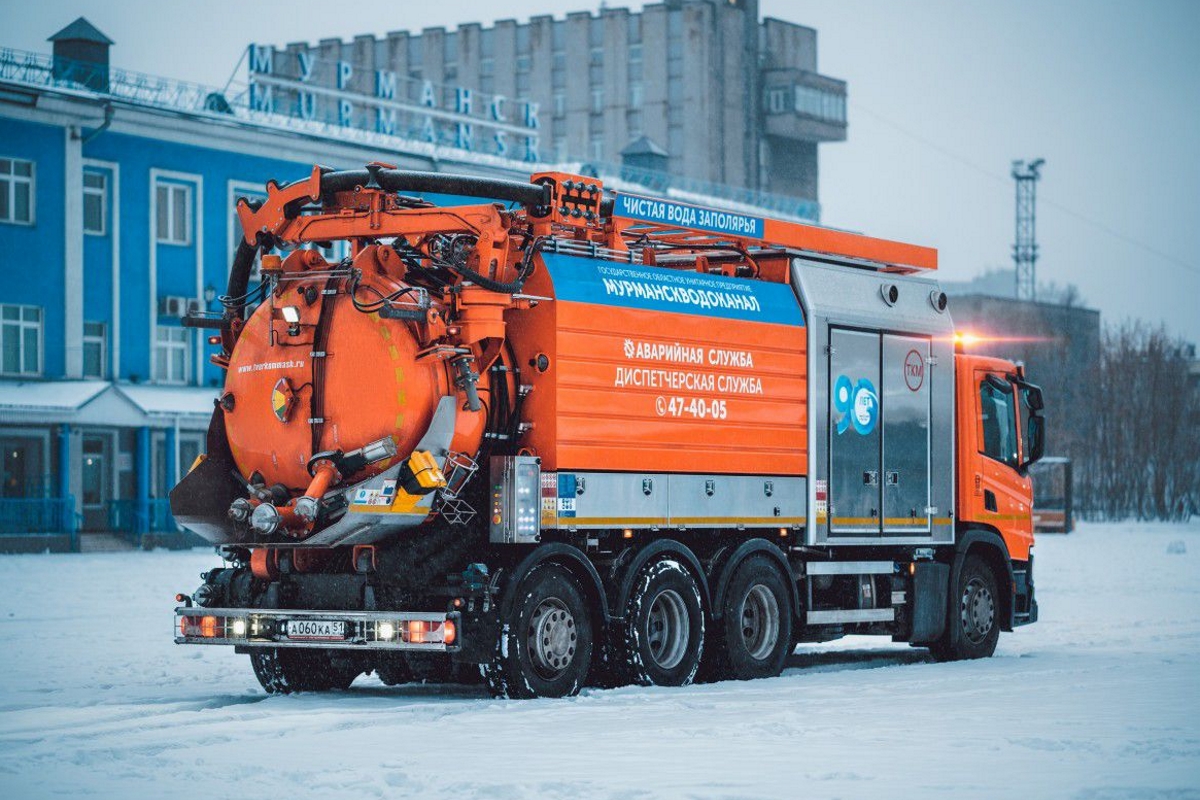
(102, 340)
(12, 179)
(252, 191)
(189, 194)
(177, 339)
(100, 192)
(22, 324)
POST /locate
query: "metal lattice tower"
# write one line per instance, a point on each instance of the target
(1025, 249)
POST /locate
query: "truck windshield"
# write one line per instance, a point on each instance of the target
(997, 417)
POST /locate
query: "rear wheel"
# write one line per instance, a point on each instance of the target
(756, 623)
(973, 623)
(545, 647)
(663, 635)
(282, 670)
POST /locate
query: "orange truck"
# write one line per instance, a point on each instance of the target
(558, 436)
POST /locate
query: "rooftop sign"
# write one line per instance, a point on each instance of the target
(392, 104)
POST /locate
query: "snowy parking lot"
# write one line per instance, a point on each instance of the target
(1099, 700)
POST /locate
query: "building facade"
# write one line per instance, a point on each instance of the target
(728, 100)
(117, 194)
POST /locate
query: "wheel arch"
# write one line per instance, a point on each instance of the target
(570, 559)
(988, 544)
(644, 555)
(725, 565)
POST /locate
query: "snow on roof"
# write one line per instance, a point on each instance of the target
(170, 400)
(49, 395)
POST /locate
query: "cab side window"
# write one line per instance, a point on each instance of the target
(998, 420)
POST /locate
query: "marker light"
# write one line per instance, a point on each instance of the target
(208, 627)
(291, 315)
(239, 627)
(449, 632)
(385, 630)
(416, 630)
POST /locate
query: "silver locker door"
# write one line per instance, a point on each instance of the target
(854, 446)
(906, 377)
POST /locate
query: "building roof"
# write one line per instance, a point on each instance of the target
(80, 31)
(49, 395)
(643, 145)
(170, 400)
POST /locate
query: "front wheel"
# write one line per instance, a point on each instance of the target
(545, 647)
(973, 626)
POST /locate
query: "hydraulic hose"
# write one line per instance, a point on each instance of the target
(398, 180)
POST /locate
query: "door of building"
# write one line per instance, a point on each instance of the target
(97, 481)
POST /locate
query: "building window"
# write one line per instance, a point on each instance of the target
(16, 191)
(20, 340)
(597, 101)
(820, 103)
(522, 63)
(560, 104)
(635, 95)
(173, 203)
(596, 146)
(777, 101)
(172, 355)
(95, 203)
(95, 348)
(487, 66)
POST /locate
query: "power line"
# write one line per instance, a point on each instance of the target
(1100, 226)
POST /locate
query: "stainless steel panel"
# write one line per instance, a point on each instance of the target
(844, 297)
(516, 500)
(854, 432)
(905, 407)
(618, 500)
(861, 615)
(849, 567)
(723, 501)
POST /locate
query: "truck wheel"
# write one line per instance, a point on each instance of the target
(545, 646)
(756, 623)
(663, 634)
(281, 670)
(973, 622)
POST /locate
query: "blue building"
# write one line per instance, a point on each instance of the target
(117, 194)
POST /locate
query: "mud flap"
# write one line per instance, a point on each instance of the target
(930, 587)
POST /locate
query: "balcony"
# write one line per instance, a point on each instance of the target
(804, 106)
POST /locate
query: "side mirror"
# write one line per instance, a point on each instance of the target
(1035, 440)
(1033, 397)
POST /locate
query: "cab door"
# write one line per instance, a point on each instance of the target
(992, 489)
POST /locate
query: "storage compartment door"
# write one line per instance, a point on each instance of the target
(854, 433)
(906, 377)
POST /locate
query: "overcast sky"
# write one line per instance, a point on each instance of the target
(943, 96)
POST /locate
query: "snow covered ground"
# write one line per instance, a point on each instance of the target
(1098, 701)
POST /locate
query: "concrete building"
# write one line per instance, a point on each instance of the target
(733, 102)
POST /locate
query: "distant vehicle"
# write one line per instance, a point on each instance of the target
(563, 433)
(1053, 509)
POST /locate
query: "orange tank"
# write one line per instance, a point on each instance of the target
(311, 372)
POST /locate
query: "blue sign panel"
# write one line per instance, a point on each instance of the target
(668, 212)
(613, 283)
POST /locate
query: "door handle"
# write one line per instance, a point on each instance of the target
(989, 500)
(870, 478)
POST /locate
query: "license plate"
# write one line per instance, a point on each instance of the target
(316, 629)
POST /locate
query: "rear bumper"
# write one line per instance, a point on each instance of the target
(360, 630)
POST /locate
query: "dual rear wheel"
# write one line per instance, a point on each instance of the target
(547, 643)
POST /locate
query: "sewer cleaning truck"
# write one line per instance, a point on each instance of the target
(554, 436)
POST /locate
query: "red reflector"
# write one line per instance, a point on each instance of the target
(449, 634)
